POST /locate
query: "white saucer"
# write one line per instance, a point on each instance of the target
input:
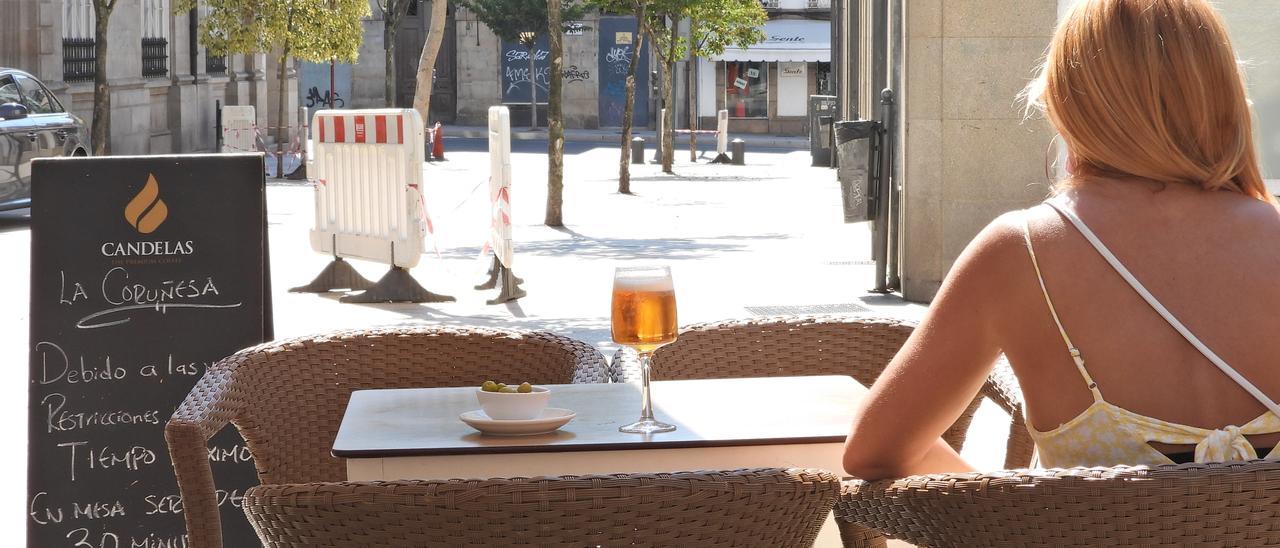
(551, 419)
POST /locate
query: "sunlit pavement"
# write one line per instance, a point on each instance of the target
(741, 240)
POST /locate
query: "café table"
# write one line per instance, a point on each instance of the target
(721, 424)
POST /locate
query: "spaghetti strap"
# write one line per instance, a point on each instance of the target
(1164, 312)
(1071, 348)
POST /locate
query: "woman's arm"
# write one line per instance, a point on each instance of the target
(939, 370)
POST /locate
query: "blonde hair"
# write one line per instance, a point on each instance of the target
(1150, 89)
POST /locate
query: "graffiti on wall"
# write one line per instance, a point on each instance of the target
(516, 80)
(575, 74)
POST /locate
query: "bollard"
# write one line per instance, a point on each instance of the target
(739, 148)
(637, 150)
(722, 138)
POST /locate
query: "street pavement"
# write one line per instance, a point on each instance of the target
(742, 241)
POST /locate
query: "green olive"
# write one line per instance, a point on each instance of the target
(525, 388)
(489, 386)
(508, 390)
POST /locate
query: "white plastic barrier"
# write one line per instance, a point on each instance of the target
(239, 129)
(500, 183)
(368, 171)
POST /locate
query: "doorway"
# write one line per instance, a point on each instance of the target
(410, 37)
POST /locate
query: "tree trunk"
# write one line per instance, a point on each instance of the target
(282, 129)
(555, 118)
(668, 117)
(389, 45)
(427, 60)
(100, 131)
(668, 101)
(624, 164)
(689, 87)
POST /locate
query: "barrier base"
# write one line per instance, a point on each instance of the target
(339, 274)
(396, 286)
(721, 159)
(510, 287)
(495, 270)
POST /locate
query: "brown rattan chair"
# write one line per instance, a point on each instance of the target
(287, 398)
(858, 346)
(754, 507)
(1222, 504)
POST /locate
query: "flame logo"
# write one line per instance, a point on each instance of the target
(147, 211)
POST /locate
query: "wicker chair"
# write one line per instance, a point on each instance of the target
(287, 398)
(1223, 504)
(857, 346)
(754, 507)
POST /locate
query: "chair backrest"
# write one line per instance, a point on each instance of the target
(287, 398)
(858, 346)
(1216, 504)
(775, 347)
(755, 507)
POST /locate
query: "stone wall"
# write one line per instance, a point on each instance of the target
(173, 113)
(969, 154)
(369, 75)
(582, 81)
(478, 70)
(479, 74)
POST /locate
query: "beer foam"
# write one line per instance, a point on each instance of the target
(644, 283)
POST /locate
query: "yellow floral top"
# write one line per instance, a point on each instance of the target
(1105, 434)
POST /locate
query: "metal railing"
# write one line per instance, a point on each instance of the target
(79, 59)
(155, 57)
(215, 64)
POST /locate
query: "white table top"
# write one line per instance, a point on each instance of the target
(708, 413)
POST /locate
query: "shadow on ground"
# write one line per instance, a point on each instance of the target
(630, 248)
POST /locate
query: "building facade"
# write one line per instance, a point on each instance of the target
(766, 87)
(597, 52)
(164, 85)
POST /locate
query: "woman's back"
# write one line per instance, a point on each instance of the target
(1149, 101)
(1211, 258)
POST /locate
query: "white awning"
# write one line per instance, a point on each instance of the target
(794, 40)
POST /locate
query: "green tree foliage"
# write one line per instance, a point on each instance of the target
(311, 30)
(720, 24)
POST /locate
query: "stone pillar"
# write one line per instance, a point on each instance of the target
(969, 155)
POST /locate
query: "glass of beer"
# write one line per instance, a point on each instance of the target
(644, 318)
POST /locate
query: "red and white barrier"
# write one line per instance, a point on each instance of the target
(500, 184)
(368, 171)
(239, 129)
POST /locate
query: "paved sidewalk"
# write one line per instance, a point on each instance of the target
(754, 141)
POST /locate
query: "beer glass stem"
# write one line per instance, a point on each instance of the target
(646, 407)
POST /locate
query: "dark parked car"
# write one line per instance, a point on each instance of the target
(33, 124)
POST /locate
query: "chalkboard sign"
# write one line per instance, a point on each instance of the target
(144, 272)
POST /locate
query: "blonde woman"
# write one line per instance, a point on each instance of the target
(1140, 305)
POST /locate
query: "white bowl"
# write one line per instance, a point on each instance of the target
(506, 406)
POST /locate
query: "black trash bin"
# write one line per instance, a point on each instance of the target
(857, 142)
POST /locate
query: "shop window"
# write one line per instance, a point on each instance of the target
(746, 91)
(822, 72)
